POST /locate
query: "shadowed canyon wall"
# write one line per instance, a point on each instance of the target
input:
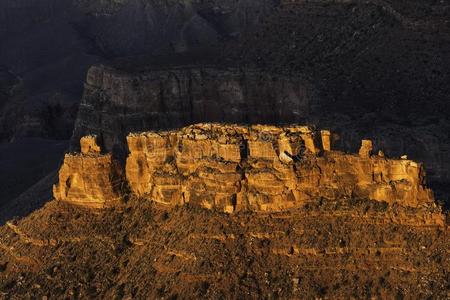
(116, 103)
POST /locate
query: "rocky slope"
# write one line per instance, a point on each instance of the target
(330, 249)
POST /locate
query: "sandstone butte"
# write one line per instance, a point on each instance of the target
(238, 168)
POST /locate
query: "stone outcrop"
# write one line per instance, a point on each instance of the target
(90, 178)
(326, 140)
(118, 101)
(89, 144)
(366, 148)
(238, 168)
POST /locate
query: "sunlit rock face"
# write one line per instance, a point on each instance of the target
(240, 168)
(89, 178)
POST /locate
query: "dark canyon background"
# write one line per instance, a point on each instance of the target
(377, 69)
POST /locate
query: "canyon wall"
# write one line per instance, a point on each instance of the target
(117, 102)
(241, 168)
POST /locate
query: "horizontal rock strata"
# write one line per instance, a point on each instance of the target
(238, 168)
(117, 101)
(90, 178)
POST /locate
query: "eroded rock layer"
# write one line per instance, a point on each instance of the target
(90, 178)
(234, 168)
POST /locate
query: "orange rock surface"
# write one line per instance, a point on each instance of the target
(89, 144)
(89, 179)
(233, 168)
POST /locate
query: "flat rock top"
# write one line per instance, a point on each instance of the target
(217, 129)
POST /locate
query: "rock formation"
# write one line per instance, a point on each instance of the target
(89, 145)
(117, 101)
(90, 178)
(366, 148)
(235, 168)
